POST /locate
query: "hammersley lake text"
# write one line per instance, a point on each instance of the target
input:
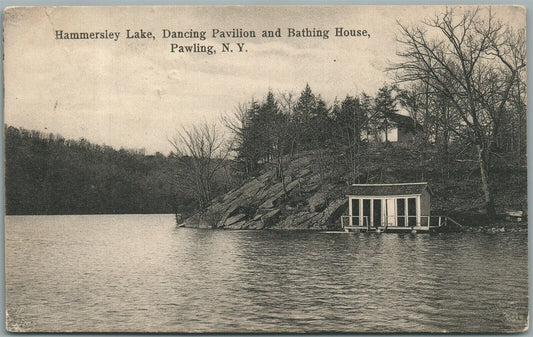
(214, 33)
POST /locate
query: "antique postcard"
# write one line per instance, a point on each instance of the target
(266, 169)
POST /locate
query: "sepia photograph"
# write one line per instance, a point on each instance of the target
(266, 169)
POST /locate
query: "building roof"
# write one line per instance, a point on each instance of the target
(388, 189)
(404, 121)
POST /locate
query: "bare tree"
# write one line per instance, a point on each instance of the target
(472, 60)
(203, 151)
(286, 103)
(239, 125)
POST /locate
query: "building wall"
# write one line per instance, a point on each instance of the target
(404, 136)
(392, 135)
(423, 209)
(425, 203)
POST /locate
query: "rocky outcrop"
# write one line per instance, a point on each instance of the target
(318, 202)
(264, 203)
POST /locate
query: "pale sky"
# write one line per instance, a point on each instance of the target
(135, 93)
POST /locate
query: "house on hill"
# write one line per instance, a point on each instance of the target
(401, 129)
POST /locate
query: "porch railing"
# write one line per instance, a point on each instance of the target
(359, 221)
(395, 221)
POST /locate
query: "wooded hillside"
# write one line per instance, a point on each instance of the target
(47, 174)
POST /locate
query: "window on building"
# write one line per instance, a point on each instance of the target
(411, 208)
(400, 212)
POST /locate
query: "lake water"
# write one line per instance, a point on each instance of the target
(140, 273)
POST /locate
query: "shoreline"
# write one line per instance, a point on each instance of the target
(499, 227)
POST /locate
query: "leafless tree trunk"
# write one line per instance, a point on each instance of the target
(238, 124)
(204, 151)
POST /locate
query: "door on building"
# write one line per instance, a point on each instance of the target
(377, 213)
(400, 212)
(355, 217)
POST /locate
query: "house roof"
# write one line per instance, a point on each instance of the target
(388, 189)
(404, 121)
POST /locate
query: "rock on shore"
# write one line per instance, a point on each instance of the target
(263, 203)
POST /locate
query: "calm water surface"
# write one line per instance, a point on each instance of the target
(140, 273)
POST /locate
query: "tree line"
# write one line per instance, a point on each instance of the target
(47, 174)
(265, 131)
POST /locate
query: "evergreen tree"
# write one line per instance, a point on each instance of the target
(303, 111)
(265, 126)
(385, 106)
(311, 116)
